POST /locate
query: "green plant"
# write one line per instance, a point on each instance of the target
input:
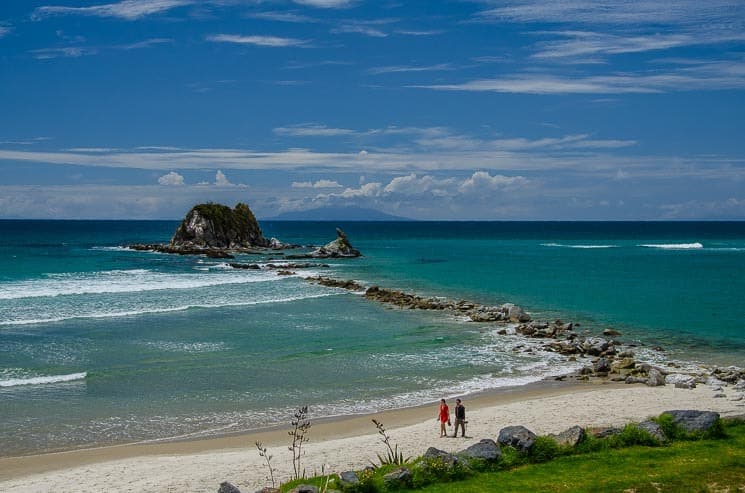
(429, 470)
(300, 427)
(544, 449)
(268, 458)
(393, 455)
(633, 435)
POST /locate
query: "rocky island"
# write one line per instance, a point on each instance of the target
(217, 231)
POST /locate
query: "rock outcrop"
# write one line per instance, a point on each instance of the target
(340, 247)
(215, 226)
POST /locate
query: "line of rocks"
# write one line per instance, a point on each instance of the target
(610, 359)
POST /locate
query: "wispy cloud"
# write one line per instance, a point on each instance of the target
(407, 32)
(706, 76)
(269, 41)
(4, 30)
(279, 16)
(615, 12)
(64, 52)
(316, 184)
(370, 31)
(313, 130)
(326, 4)
(410, 68)
(145, 43)
(126, 9)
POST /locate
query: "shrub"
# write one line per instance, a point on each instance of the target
(632, 435)
(544, 449)
(436, 470)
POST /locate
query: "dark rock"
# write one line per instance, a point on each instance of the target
(610, 332)
(518, 437)
(655, 378)
(446, 457)
(631, 380)
(602, 365)
(653, 429)
(226, 487)
(349, 478)
(304, 488)
(694, 421)
(399, 478)
(335, 283)
(486, 449)
(606, 432)
(340, 247)
(269, 489)
(245, 266)
(570, 437)
(218, 254)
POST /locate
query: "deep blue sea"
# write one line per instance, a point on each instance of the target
(103, 345)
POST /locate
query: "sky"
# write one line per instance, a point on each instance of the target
(431, 109)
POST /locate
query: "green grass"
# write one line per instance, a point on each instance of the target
(627, 463)
(710, 465)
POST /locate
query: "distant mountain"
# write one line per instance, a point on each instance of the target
(336, 214)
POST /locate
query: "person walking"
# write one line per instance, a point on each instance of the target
(443, 417)
(460, 418)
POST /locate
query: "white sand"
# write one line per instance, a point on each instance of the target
(342, 448)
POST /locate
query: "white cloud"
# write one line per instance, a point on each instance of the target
(317, 184)
(66, 52)
(482, 182)
(408, 68)
(283, 17)
(326, 4)
(126, 9)
(313, 130)
(269, 41)
(221, 180)
(364, 29)
(731, 208)
(171, 179)
(4, 30)
(145, 43)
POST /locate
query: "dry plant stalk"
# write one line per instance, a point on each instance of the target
(300, 427)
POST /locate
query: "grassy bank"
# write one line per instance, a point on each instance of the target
(686, 464)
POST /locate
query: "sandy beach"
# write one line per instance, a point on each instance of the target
(347, 443)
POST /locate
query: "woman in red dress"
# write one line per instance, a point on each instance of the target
(444, 417)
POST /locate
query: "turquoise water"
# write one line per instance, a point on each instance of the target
(103, 345)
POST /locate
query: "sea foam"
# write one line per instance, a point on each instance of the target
(674, 246)
(45, 380)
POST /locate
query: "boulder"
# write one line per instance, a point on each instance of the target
(446, 457)
(681, 381)
(694, 421)
(226, 487)
(570, 437)
(397, 479)
(653, 429)
(304, 488)
(602, 366)
(655, 378)
(486, 449)
(349, 478)
(515, 313)
(606, 432)
(610, 332)
(518, 437)
(269, 489)
(340, 247)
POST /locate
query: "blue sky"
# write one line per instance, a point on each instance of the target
(512, 109)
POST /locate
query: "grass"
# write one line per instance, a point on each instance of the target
(625, 464)
(709, 465)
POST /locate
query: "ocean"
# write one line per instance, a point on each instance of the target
(101, 345)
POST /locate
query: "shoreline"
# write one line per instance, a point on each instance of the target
(349, 442)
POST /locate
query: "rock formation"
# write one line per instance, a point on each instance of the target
(219, 226)
(340, 247)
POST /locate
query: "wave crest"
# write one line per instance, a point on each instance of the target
(46, 380)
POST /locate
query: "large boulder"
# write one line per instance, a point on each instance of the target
(218, 226)
(681, 381)
(340, 247)
(570, 437)
(694, 421)
(655, 378)
(304, 488)
(518, 437)
(653, 429)
(398, 478)
(226, 487)
(446, 457)
(486, 449)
